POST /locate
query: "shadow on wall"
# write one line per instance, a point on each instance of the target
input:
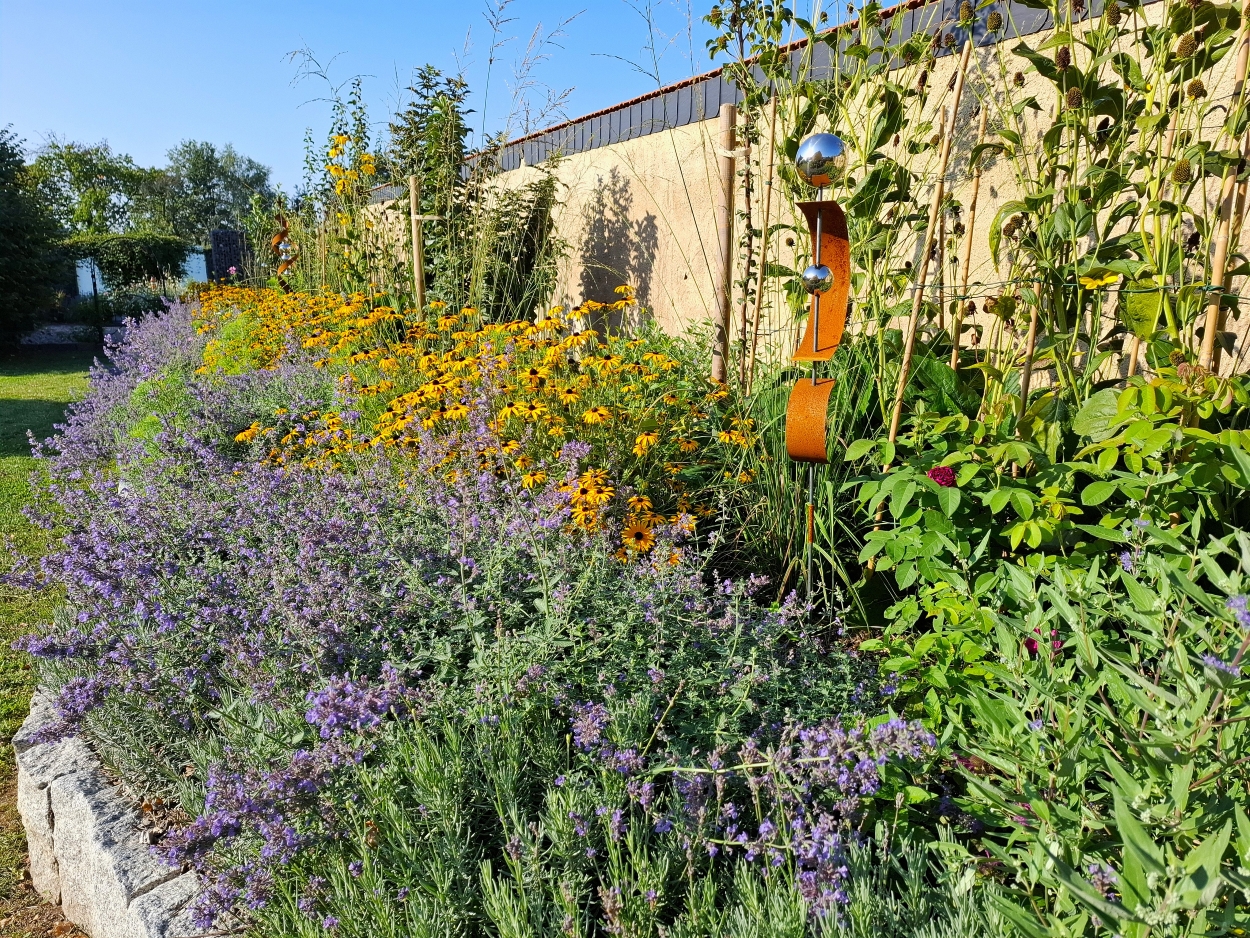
(615, 249)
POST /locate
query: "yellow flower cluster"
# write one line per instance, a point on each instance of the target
(657, 427)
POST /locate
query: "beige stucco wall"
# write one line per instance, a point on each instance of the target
(642, 211)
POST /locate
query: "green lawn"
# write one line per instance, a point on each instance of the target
(35, 386)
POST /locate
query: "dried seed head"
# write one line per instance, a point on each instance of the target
(1176, 357)
(1113, 14)
(994, 22)
(966, 12)
(958, 229)
(950, 85)
(1018, 79)
(1193, 242)
(970, 309)
(1063, 57)
(1193, 4)
(1196, 89)
(922, 80)
(1182, 172)
(948, 40)
(935, 140)
(896, 139)
(1187, 46)
(1074, 98)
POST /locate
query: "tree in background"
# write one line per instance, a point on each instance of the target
(201, 188)
(89, 188)
(93, 190)
(28, 239)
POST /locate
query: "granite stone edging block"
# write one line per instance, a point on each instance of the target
(87, 851)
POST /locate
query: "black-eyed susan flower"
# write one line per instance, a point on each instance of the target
(638, 538)
(597, 415)
(644, 441)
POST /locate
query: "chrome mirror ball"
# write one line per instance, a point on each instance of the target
(817, 279)
(820, 160)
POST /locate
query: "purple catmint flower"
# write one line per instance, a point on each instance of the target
(347, 704)
(1219, 664)
(1238, 606)
(589, 721)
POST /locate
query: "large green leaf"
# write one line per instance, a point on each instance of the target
(1141, 304)
(1096, 418)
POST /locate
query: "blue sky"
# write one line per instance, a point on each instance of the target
(145, 75)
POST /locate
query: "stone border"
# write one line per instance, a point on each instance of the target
(87, 852)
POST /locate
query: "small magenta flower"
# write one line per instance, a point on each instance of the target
(943, 476)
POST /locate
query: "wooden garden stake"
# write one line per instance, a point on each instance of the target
(958, 322)
(939, 194)
(418, 247)
(724, 231)
(1219, 261)
(768, 204)
(1239, 216)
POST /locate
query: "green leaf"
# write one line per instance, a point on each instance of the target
(1098, 492)
(1141, 304)
(859, 449)
(1022, 502)
(1108, 458)
(999, 499)
(1095, 420)
(948, 500)
(1114, 535)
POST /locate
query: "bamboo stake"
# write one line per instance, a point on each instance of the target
(939, 194)
(958, 322)
(418, 247)
(1219, 262)
(768, 204)
(724, 231)
(1239, 216)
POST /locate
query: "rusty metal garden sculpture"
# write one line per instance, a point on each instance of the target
(819, 161)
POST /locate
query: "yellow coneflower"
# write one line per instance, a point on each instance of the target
(644, 441)
(531, 479)
(569, 395)
(597, 415)
(639, 503)
(638, 539)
